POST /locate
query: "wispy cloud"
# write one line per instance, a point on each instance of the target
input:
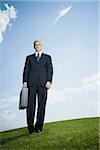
(10, 115)
(11, 119)
(6, 16)
(87, 84)
(62, 13)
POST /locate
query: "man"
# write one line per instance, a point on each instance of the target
(37, 76)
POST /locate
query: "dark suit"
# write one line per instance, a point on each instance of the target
(36, 74)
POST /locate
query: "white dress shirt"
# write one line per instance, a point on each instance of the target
(40, 53)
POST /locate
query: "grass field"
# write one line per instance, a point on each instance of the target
(78, 134)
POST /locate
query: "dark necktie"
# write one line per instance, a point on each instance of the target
(38, 58)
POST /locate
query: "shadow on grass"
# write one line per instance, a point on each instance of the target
(14, 138)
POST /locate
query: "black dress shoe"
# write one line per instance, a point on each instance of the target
(38, 131)
(30, 130)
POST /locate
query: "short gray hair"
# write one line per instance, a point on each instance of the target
(36, 41)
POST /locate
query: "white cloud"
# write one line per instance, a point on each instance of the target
(62, 13)
(10, 119)
(9, 99)
(91, 83)
(5, 19)
(88, 84)
(56, 96)
(8, 115)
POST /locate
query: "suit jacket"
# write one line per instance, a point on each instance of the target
(43, 68)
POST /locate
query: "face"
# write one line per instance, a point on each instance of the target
(38, 46)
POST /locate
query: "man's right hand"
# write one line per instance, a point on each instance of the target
(25, 85)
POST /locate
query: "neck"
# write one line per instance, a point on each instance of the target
(38, 51)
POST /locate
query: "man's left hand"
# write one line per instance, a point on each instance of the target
(48, 84)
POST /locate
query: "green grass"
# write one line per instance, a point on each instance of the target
(78, 134)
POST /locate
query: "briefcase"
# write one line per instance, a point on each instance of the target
(23, 100)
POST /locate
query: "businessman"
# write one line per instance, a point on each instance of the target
(37, 76)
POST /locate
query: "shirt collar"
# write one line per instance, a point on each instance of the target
(40, 53)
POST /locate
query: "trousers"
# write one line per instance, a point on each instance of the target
(41, 92)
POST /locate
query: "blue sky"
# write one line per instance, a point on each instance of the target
(72, 43)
